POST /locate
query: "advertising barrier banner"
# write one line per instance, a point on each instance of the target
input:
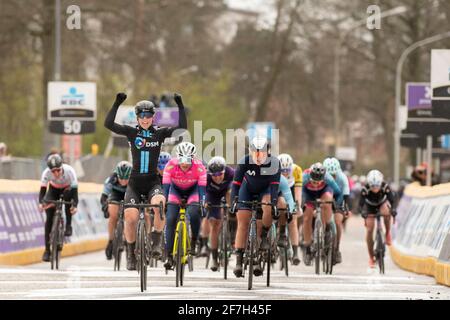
(22, 225)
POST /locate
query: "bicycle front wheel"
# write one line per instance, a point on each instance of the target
(142, 263)
(179, 255)
(317, 245)
(54, 241)
(224, 254)
(252, 255)
(380, 252)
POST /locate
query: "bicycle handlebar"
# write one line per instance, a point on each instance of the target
(58, 202)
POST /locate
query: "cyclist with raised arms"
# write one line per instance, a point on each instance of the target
(218, 185)
(376, 195)
(63, 181)
(145, 142)
(184, 178)
(257, 177)
(114, 189)
(294, 175)
(317, 184)
(333, 167)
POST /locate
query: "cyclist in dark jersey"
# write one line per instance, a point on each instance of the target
(218, 186)
(376, 195)
(145, 142)
(114, 189)
(257, 177)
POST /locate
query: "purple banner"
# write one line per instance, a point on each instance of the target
(21, 223)
(166, 117)
(418, 96)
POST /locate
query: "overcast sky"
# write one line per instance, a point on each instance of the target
(263, 6)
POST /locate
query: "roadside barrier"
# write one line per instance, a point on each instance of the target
(422, 232)
(22, 225)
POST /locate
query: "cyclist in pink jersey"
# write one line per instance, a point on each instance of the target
(184, 178)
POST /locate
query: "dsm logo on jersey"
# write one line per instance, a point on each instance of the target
(141, 143)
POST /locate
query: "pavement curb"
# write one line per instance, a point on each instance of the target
(428, 266)
(34, 255)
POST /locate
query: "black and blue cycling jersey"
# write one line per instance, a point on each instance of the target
(145, 144)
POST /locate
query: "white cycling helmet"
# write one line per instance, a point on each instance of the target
(375, 178)
(186, 152)
(332, 165)
(259, 144)
(286, 162)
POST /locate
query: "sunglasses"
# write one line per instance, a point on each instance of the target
(217, 174)
(285, 170)
(185, 160)
(421, 172)
(56, 170)
(143, 115)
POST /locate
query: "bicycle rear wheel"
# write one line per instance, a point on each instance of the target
(117, 243)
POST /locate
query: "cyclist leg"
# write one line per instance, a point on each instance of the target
(282, 221)
(215, 224)
(339, 218)
(68, 197)
(385, 211)
(52, 194)
(369, 223)
(308, 214)
(243, 217)
(131, 217)
(156, 197)
(113, 210)
(205, 231)
(173, 209)
(195, 216)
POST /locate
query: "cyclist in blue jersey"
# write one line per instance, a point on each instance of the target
(163, 159)
(286, 200)
(317, 184)
(114, 190)
(145, 142)
(333, 167)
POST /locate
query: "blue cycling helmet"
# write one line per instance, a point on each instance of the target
(163, 158)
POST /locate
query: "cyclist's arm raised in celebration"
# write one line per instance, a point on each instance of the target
(111, 116)
(182, 120)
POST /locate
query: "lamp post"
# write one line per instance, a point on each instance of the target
(398, 91)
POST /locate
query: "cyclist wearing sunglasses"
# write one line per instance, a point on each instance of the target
(114, 189)
(219, 179)
(184, 178)
(294, 175)
(376, 195)
(63, 181)
(257, 177)
(317, 184)
(145, 142)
